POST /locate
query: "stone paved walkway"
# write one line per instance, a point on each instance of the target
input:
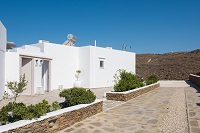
(193, 107)
(144, 114)
(175, 121)
(174, 107)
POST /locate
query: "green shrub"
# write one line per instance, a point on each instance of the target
(42, 108)
(125, 81)
(75, 96)
(4, 116)
(151, 79)
(32, 112)
(19, 111)
(37, 110)
(55, 106)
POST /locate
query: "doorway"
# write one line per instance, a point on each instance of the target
(45, 76)
(26, 68)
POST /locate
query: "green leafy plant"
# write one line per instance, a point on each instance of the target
(13, 112)
(125, 81)
(39, 109)
(78, 72)
(19, 111)
(42, 108)
(75, 96)
(4, 116)
(151, 79)
(17, 87)
(55, 106)
(32, 112)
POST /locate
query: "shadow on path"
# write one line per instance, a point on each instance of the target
(193, 85)
(196, 87)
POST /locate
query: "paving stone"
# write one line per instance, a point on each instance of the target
(195, 130)
(97, 131)
(69, 130)
(144, 126)
(119, 125)
(191, 114)
(79, 124)
(153, 121)
(90, 127)
(109, 129)
(194, 123)
(82, 130)
(143, 131)
(98, 124)
(123, 120)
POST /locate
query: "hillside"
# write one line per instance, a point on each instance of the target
(169, 66)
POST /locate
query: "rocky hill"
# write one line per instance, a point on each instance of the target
(169, 66)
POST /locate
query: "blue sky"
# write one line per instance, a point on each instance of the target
(148, 26)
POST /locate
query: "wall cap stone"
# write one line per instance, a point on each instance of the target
(195, 75)
(126, 92)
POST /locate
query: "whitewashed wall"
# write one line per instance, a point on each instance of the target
(67, 59)
(84, 65)
(3, 41)
(92, 76)
(37, 74)
(113, 61)
(63, 65)
(12, 70)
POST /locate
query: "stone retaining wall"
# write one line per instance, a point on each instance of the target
(61, 121)
(128, 95)
(195, 79)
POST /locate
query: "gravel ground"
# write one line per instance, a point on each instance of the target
(175, 121)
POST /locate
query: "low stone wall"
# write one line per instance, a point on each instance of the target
(128, 95)
(60, 121)
(195, 79)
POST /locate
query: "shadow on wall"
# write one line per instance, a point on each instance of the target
(193, 85)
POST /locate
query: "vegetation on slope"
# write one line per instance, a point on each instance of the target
(169, 66)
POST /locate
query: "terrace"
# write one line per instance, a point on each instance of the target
(174, 106)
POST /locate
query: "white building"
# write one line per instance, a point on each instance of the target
(2, 58)
(48, 66)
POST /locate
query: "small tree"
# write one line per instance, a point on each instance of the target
(125, 81)
(17, 88)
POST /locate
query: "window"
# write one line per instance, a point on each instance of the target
(102, 64)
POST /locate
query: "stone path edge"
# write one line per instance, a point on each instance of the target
(187, 111)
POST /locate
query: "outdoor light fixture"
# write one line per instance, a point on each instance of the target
(36, 62)
(41, 62)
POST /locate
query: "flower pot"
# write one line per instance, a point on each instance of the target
(77, 84)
